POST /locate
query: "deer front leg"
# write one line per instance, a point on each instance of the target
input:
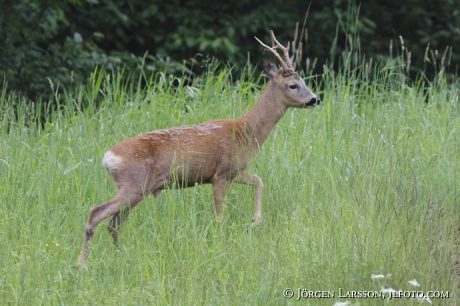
(220, 189)
(255, 181)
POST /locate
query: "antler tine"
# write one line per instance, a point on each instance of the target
(272, 50)
(285, 50)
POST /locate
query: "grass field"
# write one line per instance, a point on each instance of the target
(361, 194)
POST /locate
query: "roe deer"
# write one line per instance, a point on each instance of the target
(216, 152)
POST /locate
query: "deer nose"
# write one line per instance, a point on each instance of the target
(313, 102)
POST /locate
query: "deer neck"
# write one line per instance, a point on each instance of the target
(265, 114)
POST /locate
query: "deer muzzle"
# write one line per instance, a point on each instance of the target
(313, 102)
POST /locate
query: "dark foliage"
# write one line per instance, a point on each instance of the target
(63, 41)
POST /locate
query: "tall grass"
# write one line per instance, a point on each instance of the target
(366, 184)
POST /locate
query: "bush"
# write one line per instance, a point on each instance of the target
(65, 40)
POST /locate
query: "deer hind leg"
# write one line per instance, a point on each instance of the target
(113, 226)
(157, 193)
(115, 222)
(105, 210)
(255, 181)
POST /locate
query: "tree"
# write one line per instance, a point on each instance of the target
(64, 41)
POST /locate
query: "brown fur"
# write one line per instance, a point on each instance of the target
(216, 152)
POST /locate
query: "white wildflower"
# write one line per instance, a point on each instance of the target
(346, 303)
(388, 290)
(426, 299)
(377, 276)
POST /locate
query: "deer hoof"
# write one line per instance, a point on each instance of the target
(255, 222)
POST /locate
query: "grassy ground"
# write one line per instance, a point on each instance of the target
(360, 194)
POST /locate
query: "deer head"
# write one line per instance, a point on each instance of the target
(295, 92)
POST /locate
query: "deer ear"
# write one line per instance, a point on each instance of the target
(268, 66)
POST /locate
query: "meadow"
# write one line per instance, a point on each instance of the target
(361, 195)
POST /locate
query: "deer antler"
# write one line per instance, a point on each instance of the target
(287, 66)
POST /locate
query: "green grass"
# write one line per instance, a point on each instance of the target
(365, 184)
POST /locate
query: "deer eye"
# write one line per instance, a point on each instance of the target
(293, 86)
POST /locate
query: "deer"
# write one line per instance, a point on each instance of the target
(216, 152)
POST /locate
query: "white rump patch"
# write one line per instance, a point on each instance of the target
(111, 161)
